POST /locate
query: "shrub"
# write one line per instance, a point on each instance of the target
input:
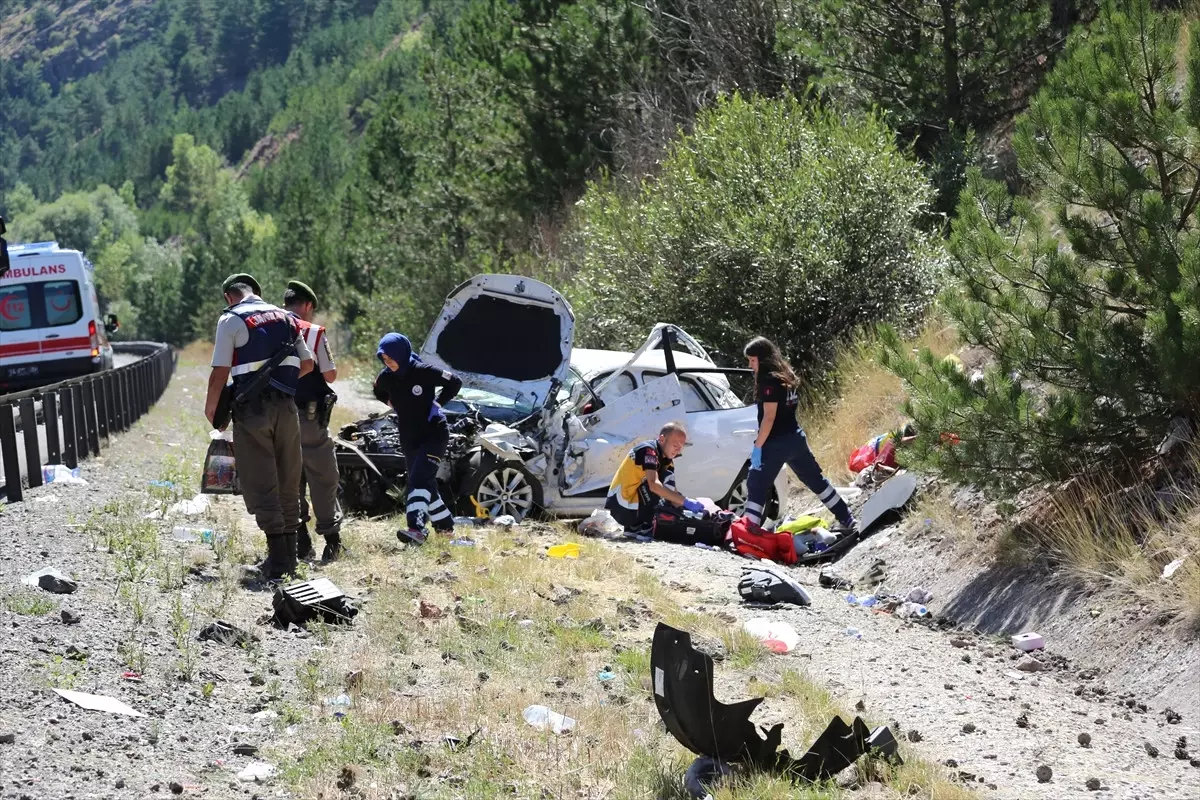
(773, 217)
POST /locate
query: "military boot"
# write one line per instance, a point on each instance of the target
(281, 558)
(333, 547)
(304, 545)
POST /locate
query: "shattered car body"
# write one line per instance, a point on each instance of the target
(540, 426)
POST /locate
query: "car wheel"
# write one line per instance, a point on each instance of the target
(502, 487)
(735, 501)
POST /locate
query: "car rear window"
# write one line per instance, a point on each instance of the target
(46, 304)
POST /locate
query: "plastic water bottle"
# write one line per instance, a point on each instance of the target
(542, 718)
(868, 601)
(855, 632)
(341, 705)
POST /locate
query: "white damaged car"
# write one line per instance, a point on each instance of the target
(540, 427)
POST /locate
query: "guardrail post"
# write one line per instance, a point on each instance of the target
(127, 398)
(50, 415)
(8, 448)
(70, 456)
(89, 414)
(81, 437)
(108, 388)
(98, 390)
(119, 397)
(33, 453)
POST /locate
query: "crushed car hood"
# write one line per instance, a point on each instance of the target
(504, 334)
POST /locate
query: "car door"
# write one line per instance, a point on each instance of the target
(719, 442)
(597, 444)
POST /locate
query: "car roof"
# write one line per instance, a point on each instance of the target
(591, 363)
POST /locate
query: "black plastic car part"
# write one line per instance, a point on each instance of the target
(683, 693)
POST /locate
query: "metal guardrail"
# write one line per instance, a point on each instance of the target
(92, 408)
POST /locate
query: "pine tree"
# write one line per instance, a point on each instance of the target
(1087, 298)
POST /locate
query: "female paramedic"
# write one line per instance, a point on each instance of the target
(780, 438)
(407, 385)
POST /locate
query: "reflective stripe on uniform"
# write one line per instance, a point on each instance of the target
(617, 495)
(312, 335)
(438, 510)
(254, 366)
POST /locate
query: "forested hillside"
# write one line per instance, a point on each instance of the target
(793, 166)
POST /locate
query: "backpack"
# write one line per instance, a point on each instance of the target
(762, 584)
(749, 539)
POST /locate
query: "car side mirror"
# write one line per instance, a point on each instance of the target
(113, 324)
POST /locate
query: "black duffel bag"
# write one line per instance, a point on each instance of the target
(673, 524)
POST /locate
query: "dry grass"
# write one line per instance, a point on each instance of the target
(1101, 539)
(871, 402)
(520, 629)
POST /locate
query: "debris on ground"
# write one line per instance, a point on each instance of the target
(830, 579)
(1044, 774)
(1084, 739)
(97, 702)
(568, 550)
(1173, 716)
(1028, 641)
(1151, 750)
(256, 772)
(62, 474)
(761, 584)
(70, 617)
(52, 580)
(224, 632)
(542, 718)
(1171, 568)
(601, 524)
(778, 637)
(302, 602)
(428, 610)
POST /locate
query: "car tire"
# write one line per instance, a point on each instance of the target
(501, 487)
(735, 500)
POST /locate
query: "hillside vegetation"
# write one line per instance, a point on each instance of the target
(806, 168)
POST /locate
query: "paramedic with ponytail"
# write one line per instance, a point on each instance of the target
(780, 438)
(407, 384)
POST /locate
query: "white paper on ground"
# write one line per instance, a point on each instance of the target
(98, 702)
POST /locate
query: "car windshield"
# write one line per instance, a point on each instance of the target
(489, 402)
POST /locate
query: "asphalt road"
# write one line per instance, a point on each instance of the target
(119, 360)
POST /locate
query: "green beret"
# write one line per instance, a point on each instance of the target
(304, 291)
(241, 277)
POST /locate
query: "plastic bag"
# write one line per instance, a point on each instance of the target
(777, 636)
(601, 524)
(59, 473)
(220, 469)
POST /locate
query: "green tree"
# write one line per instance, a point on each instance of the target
(1087, 300)
(773, 217)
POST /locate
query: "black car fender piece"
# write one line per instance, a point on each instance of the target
(682, 679)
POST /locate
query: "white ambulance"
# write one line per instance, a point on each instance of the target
(50, 324)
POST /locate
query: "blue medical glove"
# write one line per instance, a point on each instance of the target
(756, 458)
(695, 506)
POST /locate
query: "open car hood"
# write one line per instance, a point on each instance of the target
(504, 334)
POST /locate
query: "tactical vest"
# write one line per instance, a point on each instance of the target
(270, 328)
(312, 386)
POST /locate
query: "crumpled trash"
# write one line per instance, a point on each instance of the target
(505, 521)
(542, 718)
(463, 542)
(869, 601)
(919, 595)
(910, 609)
(98, 702)
(779, 637)
(60, 473)
(568, 550)
(52, 580)
(256, 772)
(853, 632)
(1171, 568)
(187, 508)
(601, 524)
(605, 675)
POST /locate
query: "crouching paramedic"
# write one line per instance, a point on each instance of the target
(646, 479)
(266, 430)
(314, 402)
(408, 385)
